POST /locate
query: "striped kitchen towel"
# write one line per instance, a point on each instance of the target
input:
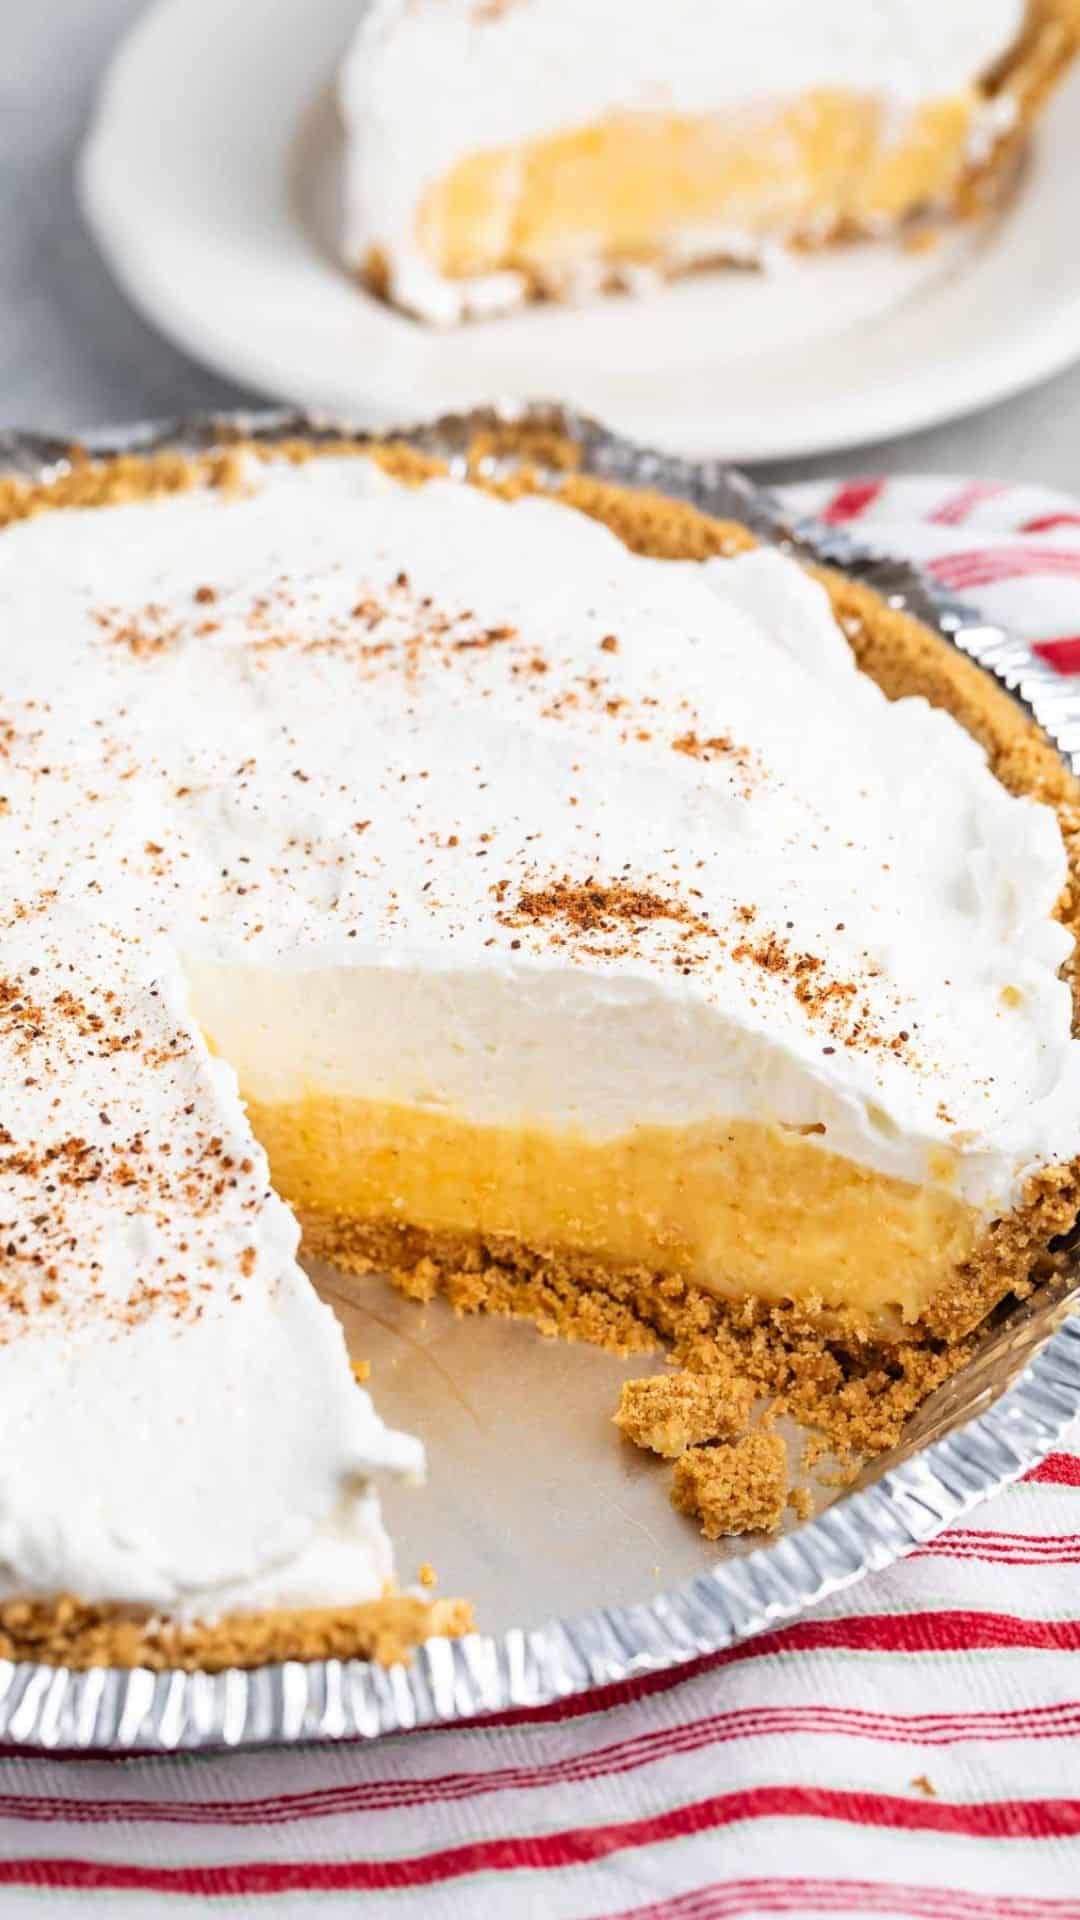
(910, 1748)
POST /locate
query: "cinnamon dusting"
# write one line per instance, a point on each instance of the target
(592, 907)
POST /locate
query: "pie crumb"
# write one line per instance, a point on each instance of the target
(669, 1412)
(361, 1370)
(427, 1575)
(801, 1502)
(741, 1488)
(925, 1786)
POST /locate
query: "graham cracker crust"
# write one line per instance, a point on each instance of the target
(852, 1388)
(1026, 77)
(68, 1632)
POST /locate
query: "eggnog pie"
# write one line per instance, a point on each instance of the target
(504, 149)
(579, 918)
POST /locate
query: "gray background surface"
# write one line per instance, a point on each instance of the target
(73, 354)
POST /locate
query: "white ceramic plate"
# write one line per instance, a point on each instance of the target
(210, 181)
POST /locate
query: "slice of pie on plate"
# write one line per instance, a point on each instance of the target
(499, 150)
(600, 921)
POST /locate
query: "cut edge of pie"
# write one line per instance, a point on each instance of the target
(854, 1381)
(597, 207)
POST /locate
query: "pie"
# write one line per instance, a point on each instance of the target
(500, 150)
(555, 902)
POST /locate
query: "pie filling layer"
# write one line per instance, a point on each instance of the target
(641, 189)
(737, 1208)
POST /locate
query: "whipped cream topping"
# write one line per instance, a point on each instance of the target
(181, 1427)
(414, 795)
(426, 82)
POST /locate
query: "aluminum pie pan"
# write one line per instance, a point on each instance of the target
(983, 1429)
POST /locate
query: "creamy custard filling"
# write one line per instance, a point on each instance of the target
(555, 146)
(643, 189)
(740, 1209)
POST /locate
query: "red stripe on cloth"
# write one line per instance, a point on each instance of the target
(955, 510)
(990, 1536)
(1048, 522)
(852, 500)
(1063, 654)
(951, 1631)
(1057, 1470)
(1004, 1549)
(987, 566)
(1000, 1557)
(735, 1897)
(1055, 1722)
(574, 1846)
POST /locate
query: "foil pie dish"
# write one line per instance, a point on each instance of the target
(987, 1426)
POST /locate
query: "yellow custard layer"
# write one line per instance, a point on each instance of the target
(628, 188)
(738, 1207)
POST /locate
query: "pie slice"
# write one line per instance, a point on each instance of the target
(504, 149)
(183, 1432)
(601, 921)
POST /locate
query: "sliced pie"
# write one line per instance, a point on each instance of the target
(505, 149)
(607, 921)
